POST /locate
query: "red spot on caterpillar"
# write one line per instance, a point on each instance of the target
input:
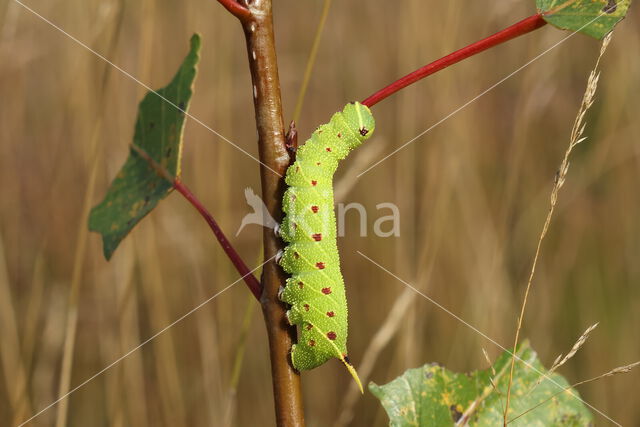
(364, 131)
(312, 343)
(314, 209)
(339, 135)
(328, 149)
(317, 237)
(300, 285)
(326, 291)
(320, 265)
(309, 326)
(314, 183)
(332, 335)
(330, 314)
(306, 307)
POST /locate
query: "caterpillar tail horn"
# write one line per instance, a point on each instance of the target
(353, 373)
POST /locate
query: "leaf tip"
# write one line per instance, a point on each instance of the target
(195, 42)
(107, 250)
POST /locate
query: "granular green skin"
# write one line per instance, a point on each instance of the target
(315, 291)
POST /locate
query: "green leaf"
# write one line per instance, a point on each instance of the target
(139, 186)
(595, 18)
(434, 396)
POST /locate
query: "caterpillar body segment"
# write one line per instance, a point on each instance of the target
(315, 291)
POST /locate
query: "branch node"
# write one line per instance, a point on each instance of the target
(236, 9)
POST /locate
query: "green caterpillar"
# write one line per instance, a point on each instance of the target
(315, 291)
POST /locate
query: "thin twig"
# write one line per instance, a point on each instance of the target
(518, 29)
(251, 281)
(254, 285)
(576, 138)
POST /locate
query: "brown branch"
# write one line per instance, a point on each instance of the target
(274, 157)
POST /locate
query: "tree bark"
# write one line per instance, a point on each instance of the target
(275, 159)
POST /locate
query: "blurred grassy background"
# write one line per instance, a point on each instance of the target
(473, 194)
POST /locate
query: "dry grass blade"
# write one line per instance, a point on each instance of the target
(237, 362)
(576, 138)
(621, 370)
(33, 317)
(155, 289)
(393, 323)
(66, 366)
(14, 372)
(615, 371)
(377, 344)
(136, 401)
(493, 372)
(312, 60)
(74, 289)
(488, 359)
(562, 360)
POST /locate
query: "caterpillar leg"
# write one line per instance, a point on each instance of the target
(279, 256)
(276, 230)
(294, 316)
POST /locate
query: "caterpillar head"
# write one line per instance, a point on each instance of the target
(359, 118)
